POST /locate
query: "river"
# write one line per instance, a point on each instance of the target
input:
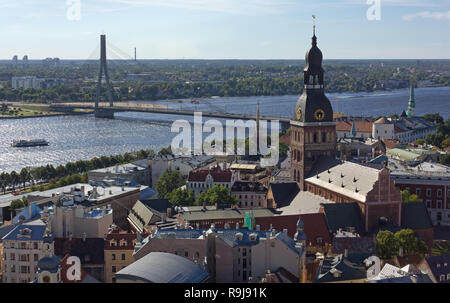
(75, 138)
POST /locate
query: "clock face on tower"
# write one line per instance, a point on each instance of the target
(319, 114)
(299, 113)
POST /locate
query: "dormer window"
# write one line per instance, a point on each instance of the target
(112, 243)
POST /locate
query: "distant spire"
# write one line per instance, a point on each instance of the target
(412, 102)
(314, 38)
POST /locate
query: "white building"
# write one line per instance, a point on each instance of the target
(23, 247)
(69, 219)
(383, 129)
(26, 82)
(201, 180)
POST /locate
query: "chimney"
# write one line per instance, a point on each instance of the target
(84, 237)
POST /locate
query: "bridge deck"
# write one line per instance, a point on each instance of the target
(152, 108)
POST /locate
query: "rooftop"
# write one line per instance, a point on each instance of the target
(157, 267)
(303, 203)
(350, 179)
(225, 214)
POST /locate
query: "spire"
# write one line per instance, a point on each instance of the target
(412, 103)
(353, 129)
(314, 38)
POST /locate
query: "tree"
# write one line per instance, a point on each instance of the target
(216, 195)
(410, 243)
(407, 197)
(446, 142)
(387, 245)
(168, 182)
(24, 176)
(445, 159)
(19, 203)
(14, 179)
(434, 118)
(181, 197)
(420, 142)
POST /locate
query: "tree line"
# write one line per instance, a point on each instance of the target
(62, 175)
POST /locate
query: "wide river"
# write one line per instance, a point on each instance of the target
(75, 138)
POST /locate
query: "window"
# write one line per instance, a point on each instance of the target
(428, 192)
(428, 203)
(439, 203)
(113, 269)
(113, 256)
(244, 263)
(123, 256)
(35, 245)
(36, 257)
(186, 254)
(418, 191)
(439, 193)
(442, 278)
(244, 275)
(12, 257)
(244, 252)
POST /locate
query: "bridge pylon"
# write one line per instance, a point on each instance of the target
(103, 113)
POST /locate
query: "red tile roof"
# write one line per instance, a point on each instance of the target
(118, 237)
(315, 226)
(217, 174)
(390, 143)
(361, 126)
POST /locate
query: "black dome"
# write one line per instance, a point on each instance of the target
(48, 263)
(314, 107)
(314, 58)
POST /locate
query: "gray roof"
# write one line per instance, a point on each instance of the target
(415, 216)
(225, 214)
(343, 215)
(284, 193)
(350, 179)
(303, 203)
(351, 268)
(157, 267)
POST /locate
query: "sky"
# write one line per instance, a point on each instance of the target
(225, 29)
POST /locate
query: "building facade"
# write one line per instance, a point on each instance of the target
(23, 247)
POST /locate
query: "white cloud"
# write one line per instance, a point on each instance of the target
(428, 15)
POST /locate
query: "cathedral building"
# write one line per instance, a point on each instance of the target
(314, 167)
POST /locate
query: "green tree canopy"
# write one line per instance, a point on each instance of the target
(409, 242)
(181, 197)
(407, 197)
(168, 182)
(216, 195)
(19, 203)
(387, 245)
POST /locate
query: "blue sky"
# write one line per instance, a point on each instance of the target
(226, 29)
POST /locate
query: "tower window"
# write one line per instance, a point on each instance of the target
(324, 137)
(315, 138)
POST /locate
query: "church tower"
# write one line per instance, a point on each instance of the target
(313, 131)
